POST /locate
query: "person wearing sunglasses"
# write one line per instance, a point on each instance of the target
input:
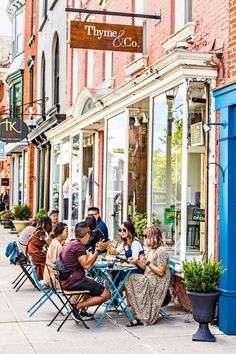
(130, 245)
(146, 292)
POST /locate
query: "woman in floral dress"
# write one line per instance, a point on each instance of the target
(146, 292)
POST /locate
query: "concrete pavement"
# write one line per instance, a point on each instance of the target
(21, 334)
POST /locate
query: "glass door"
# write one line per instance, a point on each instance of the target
(116, 143)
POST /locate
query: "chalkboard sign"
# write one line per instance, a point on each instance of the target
(198, 214)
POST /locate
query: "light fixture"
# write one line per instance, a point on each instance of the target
(144, 118)
(31, 122)
(136, 122)
(171, 94)
(207, 126)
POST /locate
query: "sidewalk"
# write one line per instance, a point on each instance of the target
(21, 334)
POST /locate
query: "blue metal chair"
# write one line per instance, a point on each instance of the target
(47, 293)
(172, 269)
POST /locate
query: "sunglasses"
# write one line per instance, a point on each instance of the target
(144, 236)
(122, 230)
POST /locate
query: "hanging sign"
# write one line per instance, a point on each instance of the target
(13, 130)
(5, 182)
(2, 151)
(106, 36)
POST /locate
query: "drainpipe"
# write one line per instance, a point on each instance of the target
(217, 60)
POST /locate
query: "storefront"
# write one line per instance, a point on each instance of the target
(155, 153)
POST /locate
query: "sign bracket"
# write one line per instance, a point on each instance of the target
(156, 17)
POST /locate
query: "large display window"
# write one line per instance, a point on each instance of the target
(116, 144)
(167, 164)
(56, 175)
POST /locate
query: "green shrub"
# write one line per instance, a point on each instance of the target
(41, 212)
(139, 221)
(203, 276)
(22, 212)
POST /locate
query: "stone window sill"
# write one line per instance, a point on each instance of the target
(184, 35)
(136, 65)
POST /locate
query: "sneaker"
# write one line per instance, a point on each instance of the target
(85, 315)
(75, 313)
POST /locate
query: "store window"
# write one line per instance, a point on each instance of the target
(197, 171)
(56, 175)
(75, 178)
(137, 165)
(167, 164)
(116, 144)
(24, 177)
(88, 173)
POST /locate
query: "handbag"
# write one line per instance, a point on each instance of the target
(63, 272)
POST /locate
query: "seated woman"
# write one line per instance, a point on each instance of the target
(130, 244)
(58, 236)
(146, 292)
(96, 235)
(23, 238)
(37, 246)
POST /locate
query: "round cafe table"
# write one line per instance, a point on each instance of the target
(102, 273)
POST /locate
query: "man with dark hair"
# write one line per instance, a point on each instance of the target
(75, 259)
(94, 211)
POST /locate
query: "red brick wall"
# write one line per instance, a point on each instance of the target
(232, 38)
(30, 51)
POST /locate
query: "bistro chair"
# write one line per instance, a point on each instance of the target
(64, 296)
(47, 293)
(25, 274)
(172, 269)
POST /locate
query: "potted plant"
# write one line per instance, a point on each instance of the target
(201, 280)
(22, 214)
(6, 219)
(41, 212)
(139, 221)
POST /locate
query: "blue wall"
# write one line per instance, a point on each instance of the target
(225, 101)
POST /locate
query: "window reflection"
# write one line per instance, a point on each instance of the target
(167, 164)
(115, 172)
(56, 172)
(75, 171)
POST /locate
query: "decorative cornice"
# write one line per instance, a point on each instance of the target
(17, 75)
(13, 6)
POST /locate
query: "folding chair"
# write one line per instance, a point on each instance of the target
(162, 312)
(64, 296)
(47, 293)
(26, 272)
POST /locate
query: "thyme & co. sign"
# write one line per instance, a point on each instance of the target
(13, 130)
(106, 36)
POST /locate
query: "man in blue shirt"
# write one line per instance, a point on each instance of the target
(100, 223)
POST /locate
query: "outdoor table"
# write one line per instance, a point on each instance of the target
(102, 273)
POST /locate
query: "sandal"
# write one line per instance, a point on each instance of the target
(135, 322)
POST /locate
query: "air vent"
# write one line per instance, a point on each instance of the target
(197, 137)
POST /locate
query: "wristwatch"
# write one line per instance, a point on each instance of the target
(99, 252)
(148, 263)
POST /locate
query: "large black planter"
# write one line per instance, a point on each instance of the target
(203, 308)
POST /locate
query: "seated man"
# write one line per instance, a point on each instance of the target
(94, 211)
(75, 259)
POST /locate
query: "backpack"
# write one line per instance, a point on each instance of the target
(63, 272)
(12, 252)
